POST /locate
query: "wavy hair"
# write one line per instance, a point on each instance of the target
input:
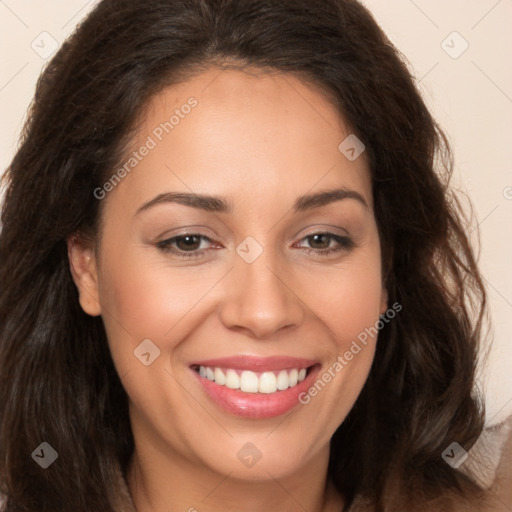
(57, 380)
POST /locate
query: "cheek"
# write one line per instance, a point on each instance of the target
(148, 300)
(348, 300)
(147, 296)
(143, 297)
(350, 310)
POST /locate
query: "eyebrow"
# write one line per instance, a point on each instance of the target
(218, 204)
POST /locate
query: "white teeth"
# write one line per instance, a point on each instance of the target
(232, 379)
(251, 382)
(268, 383)
(248, 382)
(220, 378)
(283, 381)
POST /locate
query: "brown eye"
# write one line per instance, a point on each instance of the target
(188, 242)
(324, 240)
(186, 245)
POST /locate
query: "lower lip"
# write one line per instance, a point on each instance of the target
(257, 405)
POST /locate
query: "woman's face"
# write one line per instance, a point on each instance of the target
(251, 295)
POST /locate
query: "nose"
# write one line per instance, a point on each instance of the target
(261, 299)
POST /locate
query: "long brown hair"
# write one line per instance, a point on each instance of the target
(58, 383)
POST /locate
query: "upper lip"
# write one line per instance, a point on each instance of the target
(257, 364)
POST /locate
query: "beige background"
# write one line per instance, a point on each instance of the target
(468, 89)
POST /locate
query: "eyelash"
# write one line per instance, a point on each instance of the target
(345, 244)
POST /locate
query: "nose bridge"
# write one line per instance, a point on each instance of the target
(258, 297)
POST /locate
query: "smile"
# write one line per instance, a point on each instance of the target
(248, 381)
(255, 387)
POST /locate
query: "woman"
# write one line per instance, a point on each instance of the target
(174, 333)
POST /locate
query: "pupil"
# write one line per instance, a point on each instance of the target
(315, 238)
(190, 241)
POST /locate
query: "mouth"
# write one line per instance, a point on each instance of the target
(248, 381)
(255, 387)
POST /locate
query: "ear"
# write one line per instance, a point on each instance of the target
(82, 264)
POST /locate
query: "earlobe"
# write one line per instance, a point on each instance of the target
(82, 264)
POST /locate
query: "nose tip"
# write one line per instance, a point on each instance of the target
(259, 300)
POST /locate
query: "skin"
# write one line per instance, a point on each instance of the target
(261, 140)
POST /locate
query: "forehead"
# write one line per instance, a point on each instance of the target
(227, 132)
